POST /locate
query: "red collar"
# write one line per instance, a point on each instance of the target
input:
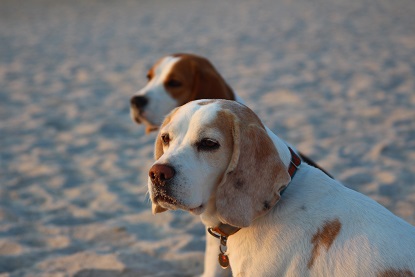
(292, 168)
(223, 231)
(294, 163)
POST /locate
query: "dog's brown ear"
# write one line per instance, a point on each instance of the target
(208, 83)
(251, 184)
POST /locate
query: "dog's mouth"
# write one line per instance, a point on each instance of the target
(166, 201)
(198, 210)
(139, 118)
(137, 115)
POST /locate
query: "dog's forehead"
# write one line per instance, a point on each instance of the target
(193, 115)
(206, 113)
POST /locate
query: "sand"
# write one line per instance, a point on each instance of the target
(334, 78)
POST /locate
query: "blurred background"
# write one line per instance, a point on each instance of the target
(335, 78)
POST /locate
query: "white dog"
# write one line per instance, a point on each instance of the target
(274, 215)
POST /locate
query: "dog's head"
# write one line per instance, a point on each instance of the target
(216, 155)
(173, 81)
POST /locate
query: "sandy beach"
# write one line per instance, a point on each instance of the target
(334, 78)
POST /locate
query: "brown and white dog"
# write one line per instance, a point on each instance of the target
(276, 215)
(173, 81)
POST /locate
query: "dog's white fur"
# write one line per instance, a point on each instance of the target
(317, 228)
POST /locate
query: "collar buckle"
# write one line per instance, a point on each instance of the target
(213, 233)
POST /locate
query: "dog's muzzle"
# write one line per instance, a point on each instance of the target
(160, 176)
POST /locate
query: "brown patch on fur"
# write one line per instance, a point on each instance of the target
(199, 80)
(222, 122)
(324, 238)
(391, 272)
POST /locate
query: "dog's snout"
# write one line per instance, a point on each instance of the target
(160, 173)
(138, 101)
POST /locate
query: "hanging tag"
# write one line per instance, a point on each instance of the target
(223, 260)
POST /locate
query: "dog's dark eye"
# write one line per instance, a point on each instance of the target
(207, 145)
(165, 138)
(174, 83)
(148, 76)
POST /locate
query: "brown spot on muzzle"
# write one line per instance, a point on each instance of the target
(324, 238)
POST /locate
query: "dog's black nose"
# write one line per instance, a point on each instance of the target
(160, 173)
(138, 101)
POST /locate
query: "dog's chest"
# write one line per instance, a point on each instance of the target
(265, 254)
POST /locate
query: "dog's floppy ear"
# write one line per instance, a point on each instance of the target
(255, 175)
(208, 83)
